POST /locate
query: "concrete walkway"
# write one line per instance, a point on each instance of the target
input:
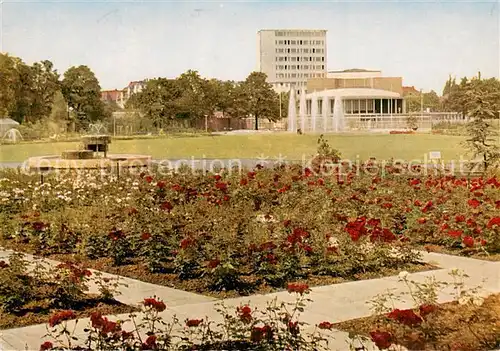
(332, 303)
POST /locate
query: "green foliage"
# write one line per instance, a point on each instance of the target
(8, 79)
(482, 136)
(81, 90)
(417, 102)
(260, 100)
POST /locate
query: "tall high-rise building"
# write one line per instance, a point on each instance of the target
(289, 57)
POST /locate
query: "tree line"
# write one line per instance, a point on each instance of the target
(455, 96)
(192, 97)
(36, 93)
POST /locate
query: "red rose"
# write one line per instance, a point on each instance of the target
(382, 339)
(494, 221)
(47, 345)
(59, 317)
(468, 241)
(325, 325)
(150, 342)
(455, 233)
(299, 288)
(474, 203)
(406, 317)
(148, 179)
(157, 305)
(166, 206)
(193, 322)
(245, 313)
(145, 236)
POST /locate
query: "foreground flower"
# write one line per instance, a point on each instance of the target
(325, 325)
(403, 275)
(245, 313)
(474, 203)
(299, 288)
(406, 317)
(157, 305)
(468, 241)
(150, 343)
(193, 322)
(382, 339)
(47, 345)
(494, 221)
(59, 317)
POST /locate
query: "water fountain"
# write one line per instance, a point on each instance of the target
(325, 111)
(314, 112)
(13, 135)
(302, 110)
(292, 112)
(93, 154)
(338, 114)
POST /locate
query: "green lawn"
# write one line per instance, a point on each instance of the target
(291, 146)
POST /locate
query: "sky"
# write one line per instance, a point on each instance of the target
(123, 41)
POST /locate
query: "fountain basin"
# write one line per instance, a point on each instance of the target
(53, 162)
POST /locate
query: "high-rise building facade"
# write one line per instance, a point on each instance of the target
(289, 57)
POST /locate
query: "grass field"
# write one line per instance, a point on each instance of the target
(290, 146)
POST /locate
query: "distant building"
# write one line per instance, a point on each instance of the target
(354, 73)
(410, 90)
(289, 57)
(356, 79)
(122, 96)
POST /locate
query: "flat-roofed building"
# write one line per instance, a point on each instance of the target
(289, 57)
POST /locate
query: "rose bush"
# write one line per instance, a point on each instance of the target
(275, 225)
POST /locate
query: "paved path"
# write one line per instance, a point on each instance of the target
(332, 303)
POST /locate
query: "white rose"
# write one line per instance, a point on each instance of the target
(463, 300)
(478, 301)
(403, 275)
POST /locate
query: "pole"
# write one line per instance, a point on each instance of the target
(114, 125)
(206, 123)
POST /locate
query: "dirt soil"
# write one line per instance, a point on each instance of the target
(38, 314)
(450, 327)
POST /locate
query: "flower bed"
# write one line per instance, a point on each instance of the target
(274, 225)
(42, 295)
(277, 327)
(469, 323)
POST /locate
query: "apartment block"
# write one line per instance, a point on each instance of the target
(290, 57)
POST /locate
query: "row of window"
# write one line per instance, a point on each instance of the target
(300, 51)
(299, 34)
(300, 42)
(293, 67)
(300, 59)
(300, 75)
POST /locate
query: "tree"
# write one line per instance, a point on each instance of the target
(81, 90)
(416, 101)
(261, 100)
(158, 100)
(195, 100)
(8, 81)
(58, 115)
(481, 109)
